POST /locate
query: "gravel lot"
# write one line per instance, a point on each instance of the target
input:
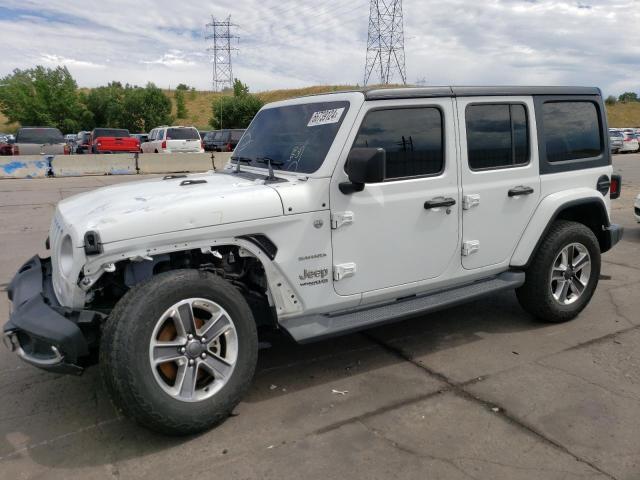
(480, 391)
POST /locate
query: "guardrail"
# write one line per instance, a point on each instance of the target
(41, 166)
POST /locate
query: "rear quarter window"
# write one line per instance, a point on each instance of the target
(572, 130)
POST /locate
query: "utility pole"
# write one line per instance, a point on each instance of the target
(385, 43)
(219, 35)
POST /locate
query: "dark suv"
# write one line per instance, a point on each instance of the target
(222, 140)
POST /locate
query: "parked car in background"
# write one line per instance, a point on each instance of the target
(142, 138)
(113, 140)
(629, 142)
(222, 140)
(82, 142)
(176, 139)
(203, 133)
(40, 141)
(616, 138)
(6, 146)
(10, 138)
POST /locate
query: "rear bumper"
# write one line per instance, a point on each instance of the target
(613, 234)
(39, 330)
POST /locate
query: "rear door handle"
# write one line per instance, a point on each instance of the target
(520, 190)
(439, 202)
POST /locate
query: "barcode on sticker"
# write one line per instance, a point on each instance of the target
(325, 117)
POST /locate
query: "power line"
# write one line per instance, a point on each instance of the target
(219, 37)
(385, 42)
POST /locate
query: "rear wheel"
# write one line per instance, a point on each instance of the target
(179, 351)
(563, 273)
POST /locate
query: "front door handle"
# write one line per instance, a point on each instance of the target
(520, 190)
(439, 202)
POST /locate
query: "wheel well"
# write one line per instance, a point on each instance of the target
(231, 262)
(591, 214)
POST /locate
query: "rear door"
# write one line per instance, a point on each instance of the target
(500, 176)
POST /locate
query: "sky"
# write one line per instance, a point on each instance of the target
(296, 43)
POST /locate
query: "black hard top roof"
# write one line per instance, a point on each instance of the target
(495, 91)
(426, 92)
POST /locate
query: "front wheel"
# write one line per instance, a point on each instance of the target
(179, 351)
(563, 273)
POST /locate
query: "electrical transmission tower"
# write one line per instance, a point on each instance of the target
(385, 42)
(219, 36)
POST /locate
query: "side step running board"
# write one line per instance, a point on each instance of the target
(317, 327)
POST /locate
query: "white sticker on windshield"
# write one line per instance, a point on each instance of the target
(325, 117)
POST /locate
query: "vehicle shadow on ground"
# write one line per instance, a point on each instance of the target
(288, 367)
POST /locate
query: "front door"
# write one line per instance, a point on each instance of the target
(404, 229)
(500, 177)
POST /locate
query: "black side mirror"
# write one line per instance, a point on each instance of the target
(364, 165)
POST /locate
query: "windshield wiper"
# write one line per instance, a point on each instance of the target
(240, 160)
(270, 161)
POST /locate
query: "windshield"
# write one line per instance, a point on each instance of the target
(295, 138)
(183, 134)
(110, 132)
(39, 135)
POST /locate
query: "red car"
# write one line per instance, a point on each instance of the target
(113, 140)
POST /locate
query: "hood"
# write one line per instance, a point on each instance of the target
(151, 207)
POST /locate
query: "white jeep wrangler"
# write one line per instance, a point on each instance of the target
(337, 212)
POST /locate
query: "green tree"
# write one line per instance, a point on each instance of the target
(611, 100)
(157, 108)
(107, 105)
(628, 97)
(181, 106)
(43, 96)
(240, 89)
(235, 111)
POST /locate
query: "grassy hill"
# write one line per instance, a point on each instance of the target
(199, 106)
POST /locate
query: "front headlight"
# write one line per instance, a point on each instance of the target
(65, 258)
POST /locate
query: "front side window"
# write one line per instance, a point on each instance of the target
(572, 130)
(497, 136)
(295, 137)
(411, 137)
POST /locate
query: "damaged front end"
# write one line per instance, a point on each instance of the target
(42, 332)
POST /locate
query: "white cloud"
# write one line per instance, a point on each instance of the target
(291, 43)
(50, 59)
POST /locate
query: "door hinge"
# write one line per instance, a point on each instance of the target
(472, 246)
(344, 270)
(339, 219)
(470, 201)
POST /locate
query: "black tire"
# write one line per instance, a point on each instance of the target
(535, 296)
(124, 353)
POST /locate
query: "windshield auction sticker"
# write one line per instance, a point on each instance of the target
(324, 117)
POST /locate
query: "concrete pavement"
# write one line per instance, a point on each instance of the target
(481, 391)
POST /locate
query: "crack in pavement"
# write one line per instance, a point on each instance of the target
(460, 390)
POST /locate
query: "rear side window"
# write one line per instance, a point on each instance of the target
(182, 134)
(572, 130)
(497, 136)
(411, 137)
